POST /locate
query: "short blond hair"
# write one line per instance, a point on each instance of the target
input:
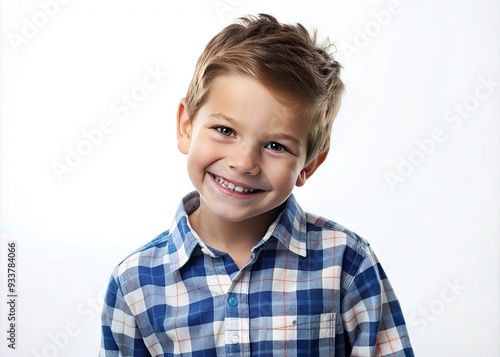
(287, 59)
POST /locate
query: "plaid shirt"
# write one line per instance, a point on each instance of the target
(311, 288)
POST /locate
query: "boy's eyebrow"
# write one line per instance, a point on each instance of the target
(278, 135)
(225, 117)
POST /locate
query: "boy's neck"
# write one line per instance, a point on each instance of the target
(234, 238)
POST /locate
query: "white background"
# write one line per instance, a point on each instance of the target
(409, 66)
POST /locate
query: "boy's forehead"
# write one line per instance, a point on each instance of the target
(234, 93)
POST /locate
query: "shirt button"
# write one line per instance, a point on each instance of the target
(235, 339)
(233, 302)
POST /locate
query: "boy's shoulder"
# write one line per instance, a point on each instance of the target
(351, 252)
(319, 223)
(162, 250)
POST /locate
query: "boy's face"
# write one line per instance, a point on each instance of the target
(246, 150)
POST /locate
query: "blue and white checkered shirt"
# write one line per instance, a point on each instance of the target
(311, 288)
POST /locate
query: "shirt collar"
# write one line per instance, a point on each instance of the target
(289, 229)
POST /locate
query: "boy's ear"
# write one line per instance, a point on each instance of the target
(184, 127)
(309, 169)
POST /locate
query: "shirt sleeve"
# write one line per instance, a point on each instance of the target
(120, 334)
(371, 314)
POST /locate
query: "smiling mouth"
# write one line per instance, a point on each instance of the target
(232, 187)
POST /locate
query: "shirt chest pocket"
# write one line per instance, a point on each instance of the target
(303, 335)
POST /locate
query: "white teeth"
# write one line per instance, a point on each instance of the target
(232, 187)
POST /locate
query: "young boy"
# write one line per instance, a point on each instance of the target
(243, 271)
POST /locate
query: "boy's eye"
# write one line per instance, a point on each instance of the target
(276, 147)
(225, 131)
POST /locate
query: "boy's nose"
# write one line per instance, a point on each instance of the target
(244, 161)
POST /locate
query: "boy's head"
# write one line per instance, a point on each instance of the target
(284, 58)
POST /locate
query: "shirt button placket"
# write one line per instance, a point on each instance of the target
(235, 339)
(232, 301)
